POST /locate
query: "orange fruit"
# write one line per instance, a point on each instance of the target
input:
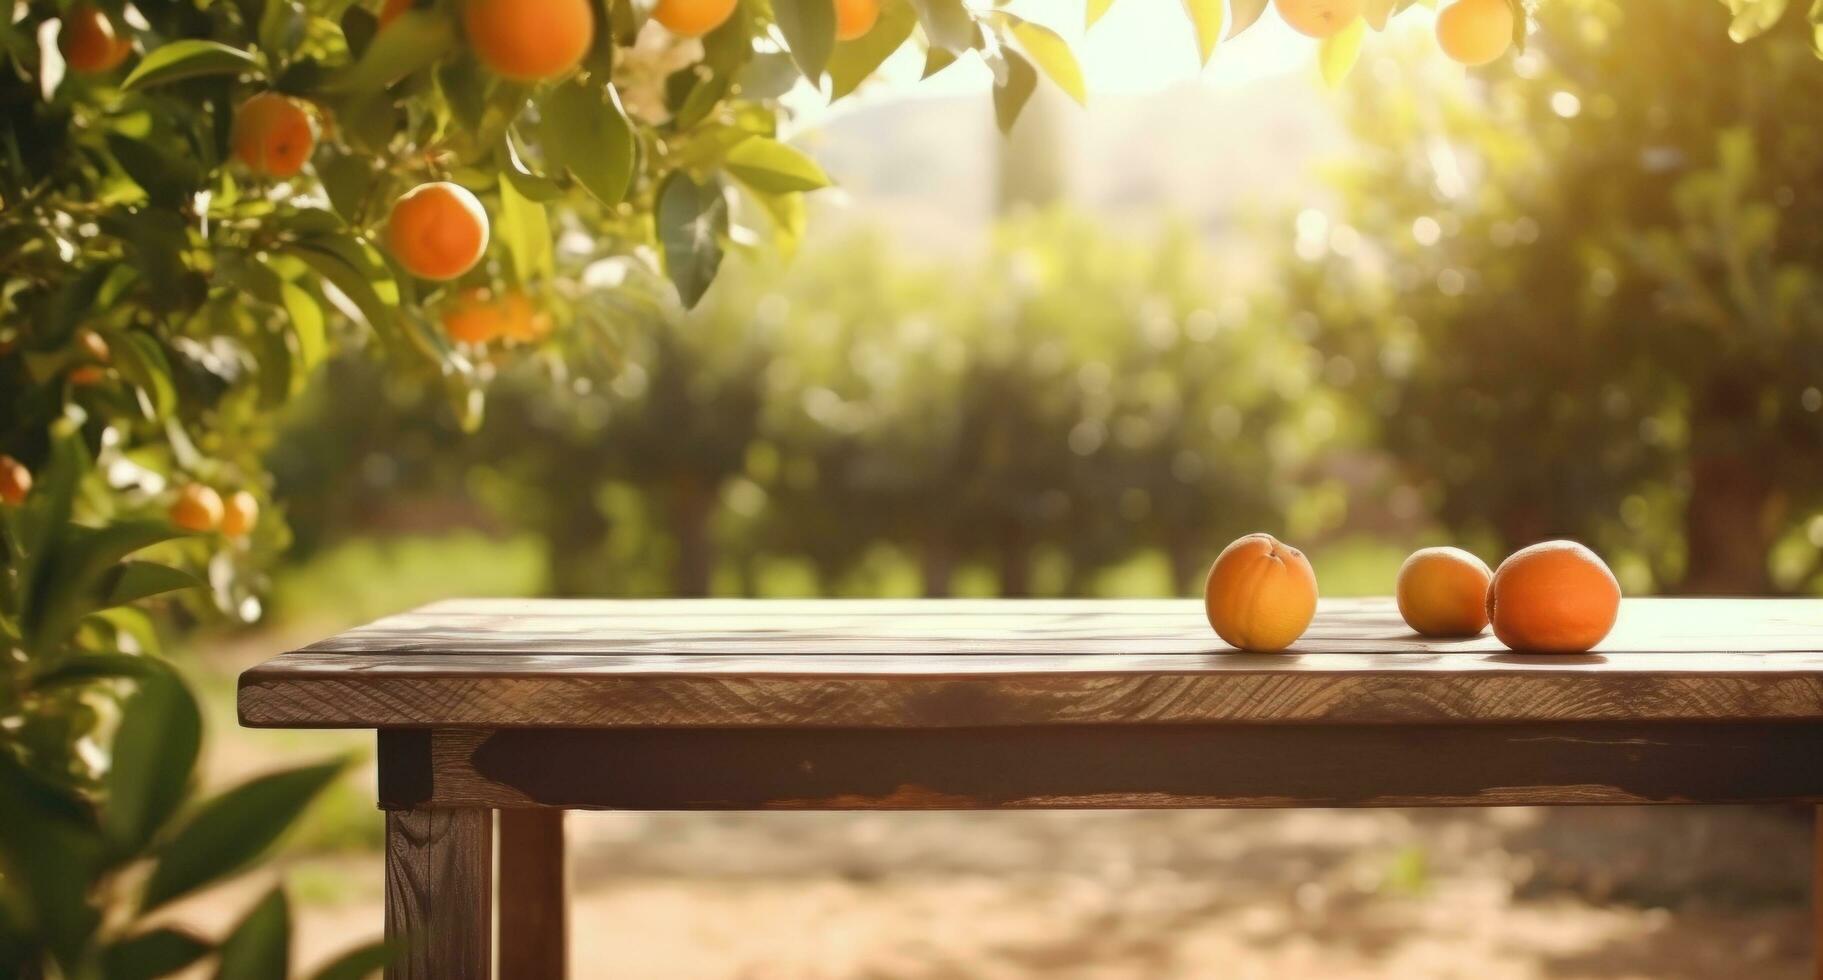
(1553, 597)
(391, 9)
(1443, 592)
(1261, 594)
(273, 135)
(197, 508)
(529, 40)
(240, 512)
(437, 230)
(693, 18)
(88, 374)
(94, 345)
(1318, 18)
(1475, 32)
(478, 316)
(89, 41)
(15, 480)
(855, 18)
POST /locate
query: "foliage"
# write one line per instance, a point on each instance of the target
(1592, 307)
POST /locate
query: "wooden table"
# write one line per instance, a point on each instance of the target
(529, 708)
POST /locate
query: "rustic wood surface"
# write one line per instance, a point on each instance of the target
(534, 903)
(971, 663)
(439, 893)
(1112, 766)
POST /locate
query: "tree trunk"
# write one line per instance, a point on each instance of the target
(936, 563)
(1186, 569)
(692, 501)
(1015, 564)
(1725, 526)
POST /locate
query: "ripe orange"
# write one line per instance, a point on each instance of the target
(197, 508)
(694, 18)
(1318, 18)
(89, 42)
(1444, 592)
(239, 514)
(1475, 32)
(437, 230)
(1261, 594)
(1553, 597)
(273, 135)
(855, 18)
(94, 345)
(15, 481)
(88, 374)
(478, 316)
(529, 40)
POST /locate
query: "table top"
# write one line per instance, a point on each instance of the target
(721, 663)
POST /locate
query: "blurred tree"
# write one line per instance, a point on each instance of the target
(1583, 295)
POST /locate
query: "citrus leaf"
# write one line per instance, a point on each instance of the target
(524, 228)
(947, 24)
(359, 963)
(1097, 9)
(1010, 96)
(259, 948)
(770, 166)
(1053, 55)
(854, 60)
(156, 953)
(131, 581)
(1206, 17)
(413, 40)
(1244, 14)
(692, 219)
(154, 754)
(1337, 54)
(809, 27)
(936, 59)
(587, 131)
(355, 270)
(232, 829)
(189, 58)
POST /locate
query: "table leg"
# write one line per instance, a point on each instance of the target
(439, 893)
(534, 899)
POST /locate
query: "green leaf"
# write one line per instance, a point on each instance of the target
(307, 327)
(947, 25)
(1053, 54)
(358, 272)
(936, 59)
(1206, 17)
(809, 27)
(232, 829)
(73, 584)
(525, 230)
(155, 953)
(189, 58)
(1097, 9)
(853, 61)
(768, 165)
(586, 130)
(1520, 23)
(131, 581)
(359, 963)
(347, 179)
(1337, 54)
(1244, 14)
(414, 40)
(788, 221)
(154, 753)
(142, 362)
(259, 948)
(1010, 97)
(692, 219)
(169, 181)
(96, 666)
(51, 850)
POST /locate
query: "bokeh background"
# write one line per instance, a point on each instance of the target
(1578, 293)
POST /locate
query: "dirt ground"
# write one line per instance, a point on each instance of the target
(1667, 894)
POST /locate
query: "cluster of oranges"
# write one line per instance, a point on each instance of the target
(197, 507)
(1470, 32)
(1552, 597)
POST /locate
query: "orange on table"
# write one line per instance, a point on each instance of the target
(1475, 32)
(15, 480)
(1553, 597)
(437, 230)
(1318, 18)
(1443, 592)
(89, 42)
(273, 135)
(197, 508)
(1261, 594)
(693, 18)
(240, 512)
(529, 40)
(855, 18)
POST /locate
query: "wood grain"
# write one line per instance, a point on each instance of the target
(1073, 767)
(439, 893)
(936, 664)
(533, 889)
